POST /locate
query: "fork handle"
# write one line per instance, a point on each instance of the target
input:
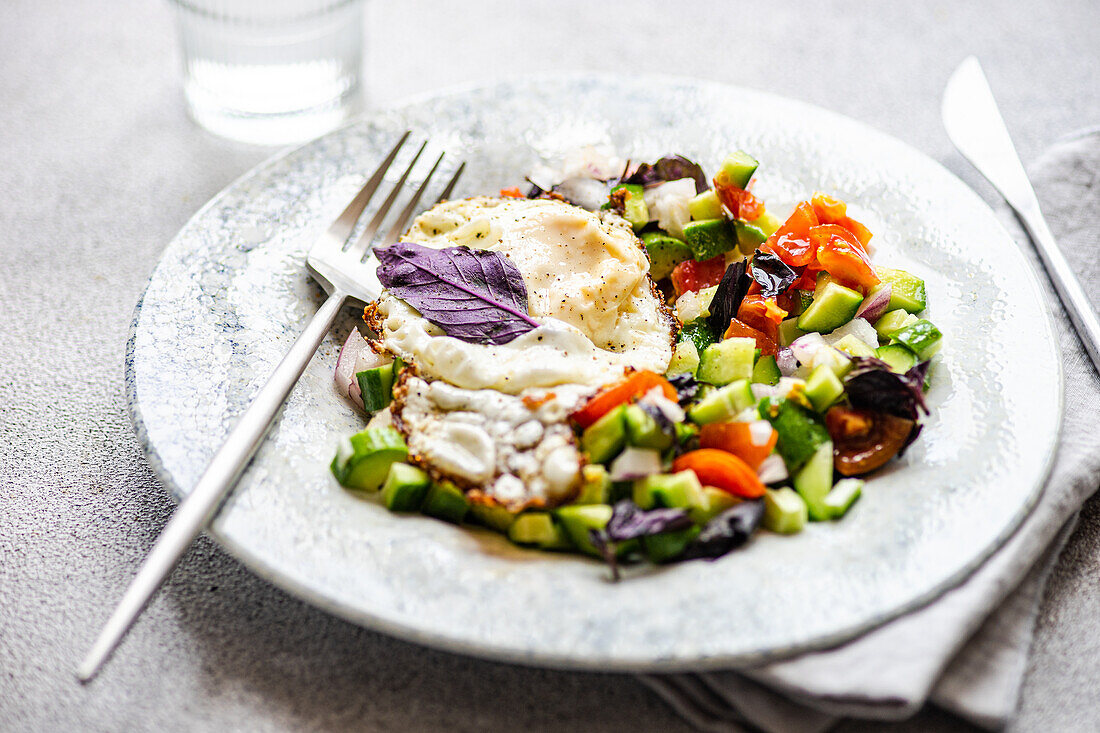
(200, 506)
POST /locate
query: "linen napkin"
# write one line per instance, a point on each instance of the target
(967, 651)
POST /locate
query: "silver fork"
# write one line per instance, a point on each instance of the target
(345, 274)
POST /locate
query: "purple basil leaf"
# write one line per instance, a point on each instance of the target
(773, 274)
(669, 168)
(473, 295)
(871, 385)
(604, 546)
(659, 417)
(727, 531)
(727, 299)
(629, 521)
(686, 387)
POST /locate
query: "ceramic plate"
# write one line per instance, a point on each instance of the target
(231, 293)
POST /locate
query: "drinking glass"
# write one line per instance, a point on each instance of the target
(271, 71)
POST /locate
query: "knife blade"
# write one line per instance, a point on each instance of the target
(975, 126)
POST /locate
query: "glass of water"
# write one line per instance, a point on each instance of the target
(271, 72)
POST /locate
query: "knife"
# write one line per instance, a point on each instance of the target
(977, 129)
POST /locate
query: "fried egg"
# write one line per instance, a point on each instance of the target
(470, 411)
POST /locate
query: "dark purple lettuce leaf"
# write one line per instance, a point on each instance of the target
(474, 295)
(773, 274)
(872, 386)
(727, 531)
(629, 521)
(669, 168)
(686, 387)
(727, 299)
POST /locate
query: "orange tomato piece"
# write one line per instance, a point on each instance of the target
(511, 193)
(765, 343)
(840, 254)
(722, 470)
(763, 314)
(834, 211)
(631, 387)
(691, 276)
(791, 242)
(737, 438)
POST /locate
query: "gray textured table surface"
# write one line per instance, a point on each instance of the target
(99, 169)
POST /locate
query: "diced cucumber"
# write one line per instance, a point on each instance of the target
(814, 480)
(727, 361)
(899, 358)
(709, 238)
(447, 502)
(705, 206)
(922, 338)
(738, 168)
(685, 431)
(642, 430)
(907, 291)
(800, 432)
(841, 497)
(831, 308)
(691, 307)
(893, 321)
(578, 519)
(668, 546)
(678, 490)
(823, 388)
(595, 485)
(766, 371)
(749, 237)
(405, 488)
(767, 222)
(852, 345)
(664, 252)
(789, 331)
(716, 500)
(784, 511)
(685, 358)
(722, 404)
(538, 529)
(494, 516)
(363, 460)
(635, 210)
(603, 439)
(377, 387)
(700, 334)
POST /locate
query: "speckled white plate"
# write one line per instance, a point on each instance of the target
(231, 293)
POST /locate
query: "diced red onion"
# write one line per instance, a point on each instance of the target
(635, 463)
(763, 390)
(586, 193)
(874, 305)
(805, 347)
(345, 362)
(760, 432)
(772, 469)
(786, 362)
(668, 408)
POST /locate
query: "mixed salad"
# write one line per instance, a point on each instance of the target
(798, 367)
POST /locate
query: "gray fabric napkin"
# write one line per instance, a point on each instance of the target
(967, 651)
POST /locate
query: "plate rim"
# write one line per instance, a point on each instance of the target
(490, 651)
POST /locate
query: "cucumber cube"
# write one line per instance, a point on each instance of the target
(377, 386)
(800, 432)
(737, 169)
(447, 502)
(642, 430)
(363, 460)
(685, 358)
(700, 334)
(717, 501)
(723, 404)
(789, 331)
(493, 516)
(766, 371)
(603, 439)
(784, 511)
(833, 306)
(664, 252)
(709, 238)
(922, 338)
(578, 519)
(727, 361)
(405, 488)
(705, 206)
(635, 210)
(840, 499)
(814, 480)
(538, 529)
(823, 388)
(768, 223)
(907, 291)
(678, 490)
(749, 237)
(893, 321)
(852, 345)
(595, 485)
(899, 358)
